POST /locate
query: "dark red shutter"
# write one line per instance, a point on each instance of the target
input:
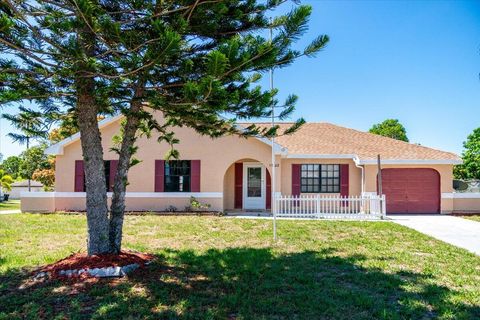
(238, 186)
(195, 175)
(159, 175)
(344, 180)
(79, 176)
(113, 172)
(296, 179)
(269, 191)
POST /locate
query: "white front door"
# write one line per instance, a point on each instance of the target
(253, 186)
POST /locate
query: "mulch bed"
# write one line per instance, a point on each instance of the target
(83, 261)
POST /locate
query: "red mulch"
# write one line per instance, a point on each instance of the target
(83, 261)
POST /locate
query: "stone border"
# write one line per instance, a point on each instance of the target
(106, 272)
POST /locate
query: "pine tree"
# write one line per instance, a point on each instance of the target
(30, 126)
(196, 62)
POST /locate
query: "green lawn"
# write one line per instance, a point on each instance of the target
(10, 205)
(223, 268)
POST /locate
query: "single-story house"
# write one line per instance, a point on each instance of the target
(22, 186)
(232, 173)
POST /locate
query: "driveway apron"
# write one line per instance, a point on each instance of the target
(459, 232)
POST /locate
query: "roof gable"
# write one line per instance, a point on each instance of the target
(57, 149)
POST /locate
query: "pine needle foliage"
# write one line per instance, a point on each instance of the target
(197, 62)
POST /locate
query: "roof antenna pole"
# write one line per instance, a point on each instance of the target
(380, 186)
(273, 201)
(379, 176)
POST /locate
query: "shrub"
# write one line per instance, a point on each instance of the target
(196, 205)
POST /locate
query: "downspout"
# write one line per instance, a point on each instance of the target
(356, 161)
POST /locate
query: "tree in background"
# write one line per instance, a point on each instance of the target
(30, 126)
(5, 181)
(29, 123)
(68, 127)
(391, 128)
(33, 159)
(32, 164)
(11, 166)
(470, 168)
(198, 63)
(46, 175)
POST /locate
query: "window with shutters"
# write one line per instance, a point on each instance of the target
(320, 178)
(107, 175)
(177, 176)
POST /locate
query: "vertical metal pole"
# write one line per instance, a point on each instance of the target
(379, 177)
(29, 182)
(273, 202)
(1, 190)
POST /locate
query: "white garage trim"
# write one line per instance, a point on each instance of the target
(460, 195)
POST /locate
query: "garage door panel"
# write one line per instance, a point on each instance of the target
(421, 207)
(412, 190)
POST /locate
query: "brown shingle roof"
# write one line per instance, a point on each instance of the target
(329, 139)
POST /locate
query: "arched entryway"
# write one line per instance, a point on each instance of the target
(247, 186)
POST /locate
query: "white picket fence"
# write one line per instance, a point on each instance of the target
(330, 207)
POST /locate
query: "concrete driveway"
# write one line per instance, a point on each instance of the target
(459, 232)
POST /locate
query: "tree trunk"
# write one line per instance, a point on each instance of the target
(117, 208)
(95, 184)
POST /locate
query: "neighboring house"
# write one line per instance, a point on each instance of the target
(22, 186)
(234, 173)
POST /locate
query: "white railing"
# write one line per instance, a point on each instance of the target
(330, 207)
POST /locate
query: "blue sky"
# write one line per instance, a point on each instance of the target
(417, 61)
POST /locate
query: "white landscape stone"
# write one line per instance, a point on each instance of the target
(96, 272)
(128, 268)
(42, 275)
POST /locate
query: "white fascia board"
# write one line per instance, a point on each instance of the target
(57, 149)
(358, 161)
(277, 148)
(410, 161)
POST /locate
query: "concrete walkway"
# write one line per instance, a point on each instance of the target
(10, 211)
(459, 232)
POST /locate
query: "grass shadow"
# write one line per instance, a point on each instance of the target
(240, 283)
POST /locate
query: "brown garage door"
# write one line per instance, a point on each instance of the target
(411, 190)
